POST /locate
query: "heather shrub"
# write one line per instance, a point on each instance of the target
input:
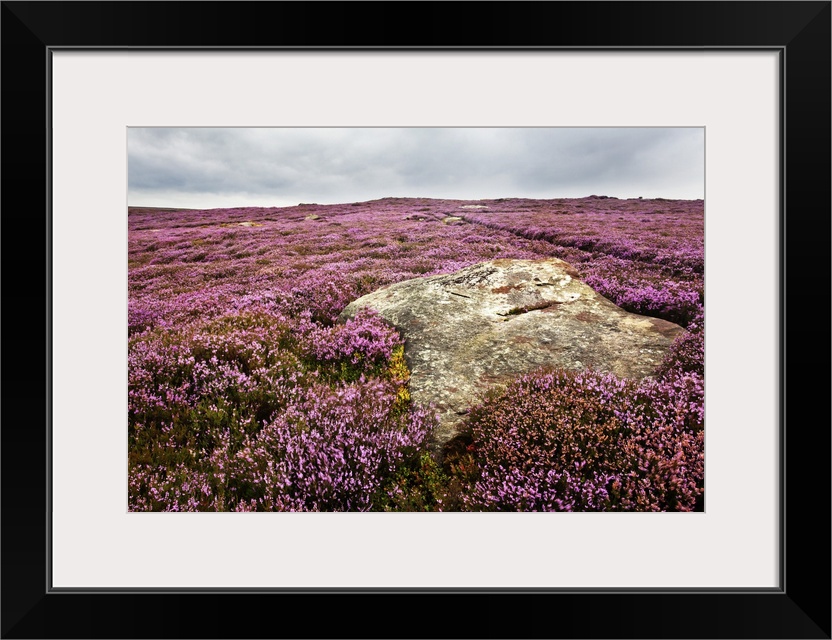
(362, 345)
(567, 441)
(322, 296)
(684, 368)
(232, 413)
(140, 318)
(188, 389)
(687, 353)
(335, 450)
(661, 298)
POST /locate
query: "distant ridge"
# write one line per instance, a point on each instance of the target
(151, 209)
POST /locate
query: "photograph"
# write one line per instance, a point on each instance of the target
(444, 267)
(416, 319)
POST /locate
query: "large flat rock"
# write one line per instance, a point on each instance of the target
(487, 324)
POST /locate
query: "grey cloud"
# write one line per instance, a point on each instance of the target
(341, 165)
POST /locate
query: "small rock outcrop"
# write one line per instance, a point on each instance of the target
(487, 324)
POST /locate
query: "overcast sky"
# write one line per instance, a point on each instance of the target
(216, 167)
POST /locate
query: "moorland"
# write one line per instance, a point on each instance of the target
(247, 393)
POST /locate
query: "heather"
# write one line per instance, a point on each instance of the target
(586, 441)
(246, 394)
(234, 414)
(647, 256)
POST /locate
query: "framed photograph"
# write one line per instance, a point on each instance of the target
(106, 105)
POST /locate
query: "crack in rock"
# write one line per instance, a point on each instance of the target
(537, 307)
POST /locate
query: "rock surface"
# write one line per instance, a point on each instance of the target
(487, 324)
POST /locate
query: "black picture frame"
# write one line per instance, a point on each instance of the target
(799, 608)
